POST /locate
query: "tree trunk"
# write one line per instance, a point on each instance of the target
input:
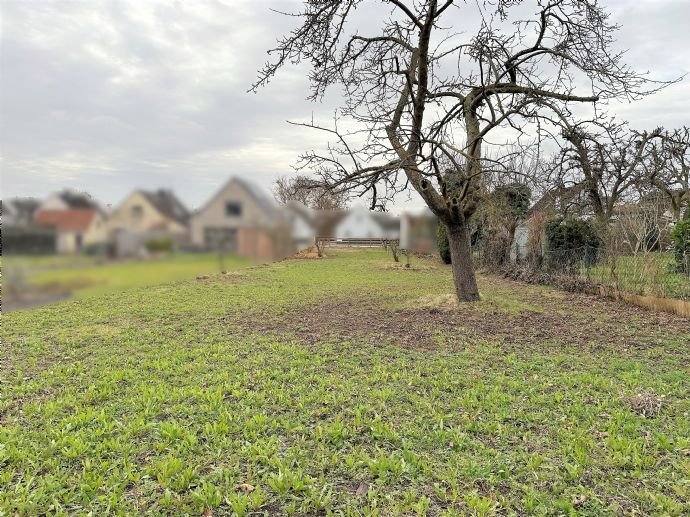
(675, 207)
(461, 256)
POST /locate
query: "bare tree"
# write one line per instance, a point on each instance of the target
(604, 158)
(638, 228)
(309, 192)
(667, 168)
(418, 91)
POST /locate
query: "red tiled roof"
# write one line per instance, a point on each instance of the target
(73, 220)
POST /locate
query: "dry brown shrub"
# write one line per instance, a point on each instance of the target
(530, 275)
(646, 404)
(308, 254)
(535, 241)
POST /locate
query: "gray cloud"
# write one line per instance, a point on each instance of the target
(106, 97)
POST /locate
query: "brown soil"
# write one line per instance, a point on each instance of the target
(586, 321)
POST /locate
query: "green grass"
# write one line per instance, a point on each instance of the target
(170, 400)
(650, 274)
(43, 262)
(86, 278)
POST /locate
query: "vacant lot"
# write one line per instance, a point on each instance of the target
(344, 384)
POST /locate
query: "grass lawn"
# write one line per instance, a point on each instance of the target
(86, 278)
(343, 385)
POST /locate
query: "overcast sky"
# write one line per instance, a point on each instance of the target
(110, 96)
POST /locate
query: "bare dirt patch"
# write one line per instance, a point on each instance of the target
(646, 404)
(420, 323)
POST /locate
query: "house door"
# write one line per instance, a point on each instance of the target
(78, 242)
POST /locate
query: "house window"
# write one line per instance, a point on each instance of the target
(233, 209)
(137, 211)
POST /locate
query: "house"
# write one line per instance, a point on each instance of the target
(361, 223)
(354, 224)
(68, 200)
(240, 218)
(564, 201)
(144, 217)
(19, 233)
(145, 210)
(419, 232)
(76, 218)
(308, 224)
(303, 223)
(76, 228)
(19, 211)
(358, 223)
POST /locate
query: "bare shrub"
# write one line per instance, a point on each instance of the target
(535, 241)
(566, 282)
(639, 228)
(320, 245)
(394, 246)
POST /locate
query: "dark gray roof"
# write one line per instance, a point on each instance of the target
(77, 200)
(19, 210)
(265, 202)
(556, 195)
(167, 203)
